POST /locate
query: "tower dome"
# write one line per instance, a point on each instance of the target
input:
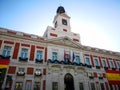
(60, 10)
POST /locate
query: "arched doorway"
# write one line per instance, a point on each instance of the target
(69, 82)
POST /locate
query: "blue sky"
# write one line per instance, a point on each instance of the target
(97, 21)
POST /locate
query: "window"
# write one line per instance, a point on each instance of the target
(54, 56)
(118, 87)
(100, 75)
(87, 61)
(111, 64)
(77, 59)
(104, 63)
(18, 86)
(67, 57)
(118, 64)
(111, 87)
(21, 70)
(55, 24)
(38, 72)
(6, 51)
(102, 86)
(92, 86)
(24, 53)
(81, 86)
(37, 86)
(39, 55)
(96, 62)
(55, 86)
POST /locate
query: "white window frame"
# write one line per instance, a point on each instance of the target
(38, 71)
(39, 50)
(52, 55)
(117, 64)
(19, 82)
(97, 61)
(53, 85)
(39, 55)
(100, 74)
(103, 85)
(82, 84)
(6, 53)
(76, 59)
(28, 54)
(110, 64)
(11, 51)
(37, 85)
(105, 62)
(89, 60)
(18, 69)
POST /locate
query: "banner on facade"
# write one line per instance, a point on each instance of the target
(4, 63)
(113, 75)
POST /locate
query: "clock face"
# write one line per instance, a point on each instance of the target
(64, 22)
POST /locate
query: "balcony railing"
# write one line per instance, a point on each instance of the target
(68, 63)
(20, 73)
(5, 57)
(89, 66)
(105, 68)
(100, 77)
(113, 68)
(91, 77)
(23, 59)
(37, 74)
(39, 61)
(97, 67)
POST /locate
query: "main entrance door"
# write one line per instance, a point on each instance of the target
(68, 81)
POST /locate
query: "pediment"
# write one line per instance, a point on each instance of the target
(64, 41)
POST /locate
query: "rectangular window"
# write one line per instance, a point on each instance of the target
(96, 62)
(55, 24)
(55, 86)
(118, 65)
(118, 87)
(87, 60)
(38, 72)
(6, 51)
(37, 86)
(39, 55)
(104, 63)
(18, 86)
(28, 85)
(102, 86)
(111, 87)
(24, 53)
(21, 69)
(111, 64)
(81, 87)
(54, 56)
(77, 59)
(92, 86)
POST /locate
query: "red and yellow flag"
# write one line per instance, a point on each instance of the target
(4, 63)
(113, 76)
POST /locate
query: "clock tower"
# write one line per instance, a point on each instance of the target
(62, 20)
(61, 27)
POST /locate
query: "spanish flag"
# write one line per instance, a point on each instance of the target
(113, 76)
(4, 63)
